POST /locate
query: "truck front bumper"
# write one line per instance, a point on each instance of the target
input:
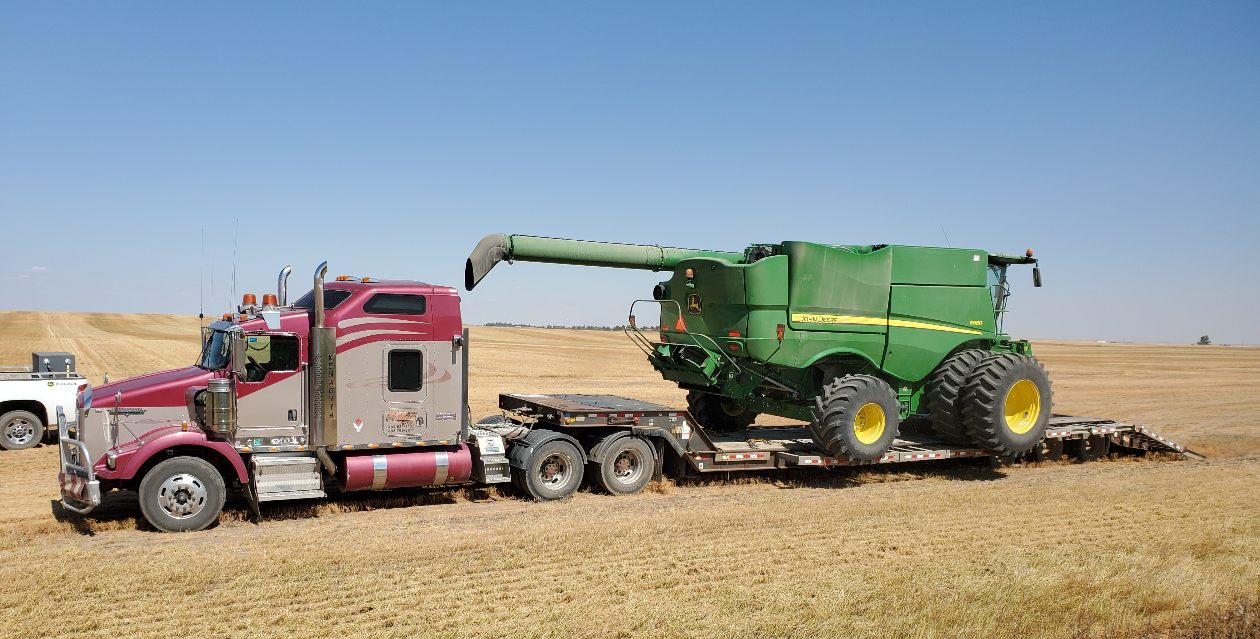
(80, 489)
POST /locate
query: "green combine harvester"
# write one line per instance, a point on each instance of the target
(854, 340)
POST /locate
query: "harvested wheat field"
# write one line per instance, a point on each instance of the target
(1116, 548)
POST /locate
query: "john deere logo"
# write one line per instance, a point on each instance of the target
(693, 303)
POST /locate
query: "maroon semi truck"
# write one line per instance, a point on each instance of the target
(362, 385)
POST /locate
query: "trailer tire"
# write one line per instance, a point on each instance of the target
(944, 390)
(182, 494)
(1051, 449)
(1007, 404)
(718, 414)
(553, 470)
(856, 418)
(626, 466)
(1091, 448)
(20, 430)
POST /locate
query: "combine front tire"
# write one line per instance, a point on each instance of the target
(20, 429)
(182, 494)
(944, 392)
(856, 418)
(719, 414)
(1006, 404)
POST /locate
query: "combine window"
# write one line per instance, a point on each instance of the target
(395, 304)
(405, 371)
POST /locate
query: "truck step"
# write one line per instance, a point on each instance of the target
(283, 477)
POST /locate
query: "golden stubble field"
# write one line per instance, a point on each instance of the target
(1115, 548)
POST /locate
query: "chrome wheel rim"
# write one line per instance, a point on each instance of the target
(555, 469)
(628, 466)
(19, 432)
(182, 496)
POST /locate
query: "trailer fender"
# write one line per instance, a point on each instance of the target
(519, 449)
(131, 458)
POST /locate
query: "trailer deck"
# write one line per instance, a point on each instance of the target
(771, 447)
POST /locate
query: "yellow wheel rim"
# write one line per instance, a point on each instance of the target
(1023, 406)
(869, 423)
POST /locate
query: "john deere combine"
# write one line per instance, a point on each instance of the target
(853, 339)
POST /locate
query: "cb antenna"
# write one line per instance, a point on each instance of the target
(236, 233)
(201, 282)
(946, 236)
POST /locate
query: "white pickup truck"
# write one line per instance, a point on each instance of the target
(29, 398)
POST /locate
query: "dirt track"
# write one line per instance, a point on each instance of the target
(945, 550)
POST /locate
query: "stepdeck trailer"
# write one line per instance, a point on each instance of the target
(598, 420)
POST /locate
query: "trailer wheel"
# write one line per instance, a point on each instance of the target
(719, 414)
(1006, 404)
(553, 470)
(856, 418)
(182, 494)
(1051, 449)
(1091, 448)
(627, 466)
(944, 390)
(20, 429)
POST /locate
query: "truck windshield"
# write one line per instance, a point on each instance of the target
(214, 350)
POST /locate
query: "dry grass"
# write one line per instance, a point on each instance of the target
(1111, 549)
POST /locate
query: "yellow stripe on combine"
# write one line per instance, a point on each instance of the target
(816, 318)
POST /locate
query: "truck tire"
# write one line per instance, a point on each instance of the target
(944, 390)
(1007, 403)
(718, 414)
(1092, 448)
(1051, 449)
(856, 418)
(627, 466)
(553, 470)
(20, 429)
(182, 494)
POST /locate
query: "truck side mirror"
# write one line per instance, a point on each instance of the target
(1037, 276)
(238, 356)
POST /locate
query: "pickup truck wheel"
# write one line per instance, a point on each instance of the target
(553, 471)
(627, 466)
(182, 494)
(20, 429)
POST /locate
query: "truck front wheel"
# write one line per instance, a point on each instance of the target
(182, 494)
(553, 470)
(20, 429)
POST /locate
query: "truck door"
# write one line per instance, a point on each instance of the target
(271, 399)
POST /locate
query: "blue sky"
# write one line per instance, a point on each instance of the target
(1120, 140)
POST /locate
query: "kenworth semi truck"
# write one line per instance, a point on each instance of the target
(361, 385)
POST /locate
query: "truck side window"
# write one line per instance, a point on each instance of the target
(395, 304)
(268, 353)
(405, 371)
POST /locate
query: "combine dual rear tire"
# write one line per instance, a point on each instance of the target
(718, 414)
(856, 418)
(944, 392)
(1006, 404)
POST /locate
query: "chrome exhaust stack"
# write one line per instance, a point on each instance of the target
(282, 286)
(323, 377)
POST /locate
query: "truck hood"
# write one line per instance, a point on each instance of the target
(165, 388)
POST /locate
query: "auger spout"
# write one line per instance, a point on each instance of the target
(496, 248)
